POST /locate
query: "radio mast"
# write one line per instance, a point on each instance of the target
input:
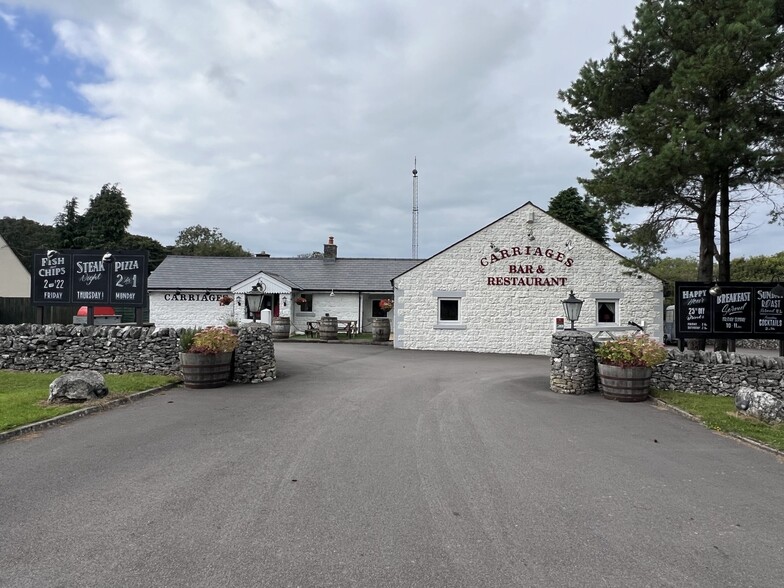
(415, 217)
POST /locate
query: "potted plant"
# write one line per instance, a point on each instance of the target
(206, 356)
(225, 300)
(386, 304)
(625, 366)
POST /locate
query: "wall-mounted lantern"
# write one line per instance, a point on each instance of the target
(254, 299)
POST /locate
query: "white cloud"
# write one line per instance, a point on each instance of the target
(284, 122)
(9, 20)
(43, 82)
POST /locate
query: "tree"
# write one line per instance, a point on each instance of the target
(106, 219)
(582, 214)
(69, 226)
(156, 251)
(199, 240)
(25, 236)
(684, 113)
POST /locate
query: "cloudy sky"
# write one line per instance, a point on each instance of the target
(281, 122)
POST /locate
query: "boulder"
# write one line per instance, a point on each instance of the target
(78, 386)
(760, 405)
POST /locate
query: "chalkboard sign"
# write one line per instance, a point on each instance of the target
(748, 310)
(768, 311)
(89, 278)
(733, 311)
(693, 309)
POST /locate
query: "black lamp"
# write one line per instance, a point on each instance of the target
(254, 299)
(572, 307)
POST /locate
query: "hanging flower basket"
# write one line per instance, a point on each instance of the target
(225, 300)
(386, 304)
(300, 300)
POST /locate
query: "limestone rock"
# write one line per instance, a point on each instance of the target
(78, 386)
(760, 405)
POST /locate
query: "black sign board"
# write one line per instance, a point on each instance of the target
(745, 310)
(89, 278)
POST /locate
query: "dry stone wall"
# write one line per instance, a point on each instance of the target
(122, 349)
(719, 373)
(572, 363)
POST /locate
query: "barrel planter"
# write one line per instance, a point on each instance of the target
(205, 370)
(281, 327)
(625, 384)
(328, 328)
(380, 330)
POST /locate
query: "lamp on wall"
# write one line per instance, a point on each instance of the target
(254, 299)
(572, 307)
(715, 290)
(332, 292)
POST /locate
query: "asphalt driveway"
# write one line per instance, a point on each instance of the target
(369, 466)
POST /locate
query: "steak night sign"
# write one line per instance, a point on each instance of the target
(524, 266)
(89, 277)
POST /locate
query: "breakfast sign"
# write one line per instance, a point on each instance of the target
(89, 277)
(747, 310)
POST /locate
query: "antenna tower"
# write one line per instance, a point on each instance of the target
(415, 217)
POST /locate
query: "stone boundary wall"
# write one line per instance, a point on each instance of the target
(572, 363)
(719, 373)
(122, 349)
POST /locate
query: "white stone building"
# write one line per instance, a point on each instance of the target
(15, 282)
(195, 291)
(500, 289)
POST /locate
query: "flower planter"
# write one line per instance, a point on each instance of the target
(625, 384)
(380, 330)
(205, 370)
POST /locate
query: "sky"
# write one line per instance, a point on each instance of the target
(284, 122)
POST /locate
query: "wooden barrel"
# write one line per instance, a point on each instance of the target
(328, 328)
(205, 370)
(630, 384)
(281, 327)
(380, 330)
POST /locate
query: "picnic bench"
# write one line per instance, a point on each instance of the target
(344, 326)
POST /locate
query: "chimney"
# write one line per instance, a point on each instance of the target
(330, 251)
(263, 254)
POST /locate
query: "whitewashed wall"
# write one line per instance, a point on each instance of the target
(201, 311)
(343, 306)
(519, 319)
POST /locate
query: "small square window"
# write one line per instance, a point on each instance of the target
(448, 310)
(306, 306)
(377, 311)
(606, 312)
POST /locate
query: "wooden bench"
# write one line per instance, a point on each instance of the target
(312, 329)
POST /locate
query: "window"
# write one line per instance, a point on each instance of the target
(606, 312)
(306, 306)
(449, 309)
(376, 309)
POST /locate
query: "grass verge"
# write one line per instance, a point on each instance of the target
(719, 413)
(23, 395)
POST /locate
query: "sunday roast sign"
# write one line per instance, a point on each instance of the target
(89, 277)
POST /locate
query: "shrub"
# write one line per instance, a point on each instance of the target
(213, 340)
(632, 351)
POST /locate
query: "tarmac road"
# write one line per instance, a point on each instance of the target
(368, 466)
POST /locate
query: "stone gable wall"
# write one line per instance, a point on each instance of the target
(511, 318)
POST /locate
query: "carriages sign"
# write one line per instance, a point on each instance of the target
(747, 310)
(89, 277)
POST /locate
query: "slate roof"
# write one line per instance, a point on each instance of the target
(221, 273)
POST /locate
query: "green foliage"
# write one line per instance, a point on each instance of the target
(186, 337)
(632, 351)
(671, 270)
(213, 340)
(719, 413)
(106, 219)
(684, 112)
(23, 394)
(69, 226)
(759, 268)
(582, 214)
(156, 251)
(24, 236)
(199, 240)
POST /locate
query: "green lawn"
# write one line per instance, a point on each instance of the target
(23, 395)
(719, 413)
